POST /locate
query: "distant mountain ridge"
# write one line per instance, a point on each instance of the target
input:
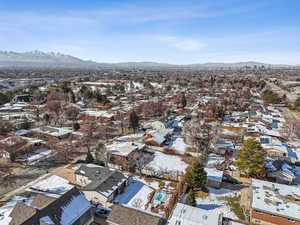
(49, 60)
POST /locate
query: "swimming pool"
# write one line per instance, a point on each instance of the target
(160, 196)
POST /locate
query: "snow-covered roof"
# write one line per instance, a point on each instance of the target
(53, 185)
(53, 131)
(36, 155)
(137, 137)
(74, 209)
(156, 125)
(276, 199)
(124, 148)
(98, 113)
(6, 209)
(22, 132)
(158, 136)
(47, 219)
(188, 215)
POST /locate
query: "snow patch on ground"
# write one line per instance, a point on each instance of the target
(167, 163)
(135, 195)
(214, 204)
(179, 145)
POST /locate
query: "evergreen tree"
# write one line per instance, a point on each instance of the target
(183, 100)
(251, 158)
(76, 126)
(72, 97)
(191, 200)
(271, 97)
(196, 177)
(297, 103)
(134, 120)
(3, 98)
(46, 118)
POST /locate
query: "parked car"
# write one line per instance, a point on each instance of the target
(101, 211)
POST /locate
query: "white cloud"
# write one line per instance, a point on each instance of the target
(184, 44)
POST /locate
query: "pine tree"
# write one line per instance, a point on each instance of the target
(191, 200)
(196, 177)
(297, 103)
(251, 158)
(183, 100)
(134, 120)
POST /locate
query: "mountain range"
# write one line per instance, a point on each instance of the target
(39, 59)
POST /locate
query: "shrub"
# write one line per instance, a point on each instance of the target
(234, 204)
(149, 179)
(162, 184)
(201, 194)
(191, 199)
(173, 184)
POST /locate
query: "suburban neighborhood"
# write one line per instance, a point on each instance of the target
(158, 150)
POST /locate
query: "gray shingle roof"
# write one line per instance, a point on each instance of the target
(103, 180)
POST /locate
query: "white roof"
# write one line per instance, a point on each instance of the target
(98, 113)
(124, 148)
(276, 199)
(53, 185)
(53, 131)
(188, 215)
(47, 219)
(159, 135)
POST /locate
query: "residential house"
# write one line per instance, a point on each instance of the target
(125, 155)
(157, 137)
(273, 203)
(47, 202)
(97, 115)
(100, 184)
(51, 133)
(124, 215)
(15, 146)
(188, 215)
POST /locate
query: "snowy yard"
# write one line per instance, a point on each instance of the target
(154, 184)
(167, 163)
(214, 203)
(179, 145)
(135, 195)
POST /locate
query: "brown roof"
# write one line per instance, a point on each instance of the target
(21, 213)
(41, 201)
(122, 215)
(67, 174)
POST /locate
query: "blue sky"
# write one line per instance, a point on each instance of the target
(180, 32)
